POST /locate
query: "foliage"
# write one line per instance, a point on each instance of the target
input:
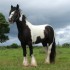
(4, 28)
(66, 45)
(14, 45)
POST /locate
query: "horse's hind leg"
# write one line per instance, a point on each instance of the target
(51, 53)
(49, 34)
(33, 60)
(48, 54)
(45, 45)
(47, 48)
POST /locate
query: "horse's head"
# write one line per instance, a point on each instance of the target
(14, 13)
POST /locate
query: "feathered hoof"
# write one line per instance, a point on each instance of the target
(33, 65)
(25, 64)
(33, 62)
(47, 62)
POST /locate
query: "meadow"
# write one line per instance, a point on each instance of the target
(11, 59)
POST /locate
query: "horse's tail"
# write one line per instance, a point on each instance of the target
(53, 51)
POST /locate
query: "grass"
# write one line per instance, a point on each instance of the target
(11, 59)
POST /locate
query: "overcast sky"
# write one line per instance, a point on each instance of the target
(53, 12)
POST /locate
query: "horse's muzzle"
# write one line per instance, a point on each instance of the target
(10, 20)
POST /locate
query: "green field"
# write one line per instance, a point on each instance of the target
(11, 59)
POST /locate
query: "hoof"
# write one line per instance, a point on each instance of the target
(26, 65)
(47, 62)
(33, 62)
(33, 65)
(25, 62)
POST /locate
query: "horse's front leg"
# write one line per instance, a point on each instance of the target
(33, 60)
(25, 61)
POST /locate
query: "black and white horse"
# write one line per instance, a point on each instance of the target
(29, 34)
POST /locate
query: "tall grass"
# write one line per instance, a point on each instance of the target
(11, 59)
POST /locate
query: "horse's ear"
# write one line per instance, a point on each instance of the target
(11, 6)
(17, 6)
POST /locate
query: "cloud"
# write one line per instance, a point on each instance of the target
(13, 30)
(53, 12)
(10, 41)
(63, 35)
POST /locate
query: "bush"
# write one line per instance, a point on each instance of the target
(66, 45)
(14, 45)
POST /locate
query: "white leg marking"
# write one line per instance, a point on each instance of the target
(33, 61)
(48, 54)
(25, 61)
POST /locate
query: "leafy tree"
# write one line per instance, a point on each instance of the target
(4, 28)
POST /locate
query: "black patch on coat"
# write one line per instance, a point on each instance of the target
(38, 40)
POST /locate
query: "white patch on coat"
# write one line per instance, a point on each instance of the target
(48, 53)
(33, 61)
(21, 17)
(36, 30)
(12, 13)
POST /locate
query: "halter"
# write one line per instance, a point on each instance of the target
(18, 15)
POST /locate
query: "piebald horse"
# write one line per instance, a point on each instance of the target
(29, 34)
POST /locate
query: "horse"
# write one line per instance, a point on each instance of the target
(29, 34)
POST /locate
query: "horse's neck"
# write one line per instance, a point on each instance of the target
(20, 26)
(29, 24)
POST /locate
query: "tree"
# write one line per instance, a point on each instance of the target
(4, 28)
(66, 45)
(14, 45)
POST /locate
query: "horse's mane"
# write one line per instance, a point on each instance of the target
(24, 17)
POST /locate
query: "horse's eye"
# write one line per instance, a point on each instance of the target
(15, 13)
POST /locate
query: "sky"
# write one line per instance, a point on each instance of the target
(53, 12)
